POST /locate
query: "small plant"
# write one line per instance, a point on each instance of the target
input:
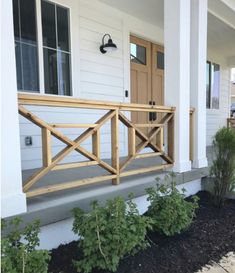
(109, 233)
(223, 166)
(18, 250)
(170, 212)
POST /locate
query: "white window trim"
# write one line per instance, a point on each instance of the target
(74, 59)
(215, 110)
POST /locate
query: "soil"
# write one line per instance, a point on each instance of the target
(209, 238)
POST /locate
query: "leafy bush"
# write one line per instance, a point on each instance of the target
(109, 233)
(223, 166)
(18, 250)
(170, 212)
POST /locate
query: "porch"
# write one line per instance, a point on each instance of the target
(128, 150)
(138, 154)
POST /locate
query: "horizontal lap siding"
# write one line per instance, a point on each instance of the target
(101, 78)
(216, 119)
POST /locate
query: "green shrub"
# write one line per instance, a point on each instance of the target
(223, 166)
(18, 250)
(109, 233)
(170, 212)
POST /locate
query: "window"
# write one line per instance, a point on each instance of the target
(56, 49)
(160, 60)
(26, 45)
(54, 39)
(212, 85)
(138, 54)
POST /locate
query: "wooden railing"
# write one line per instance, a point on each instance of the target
(231, 122)
(116, 113)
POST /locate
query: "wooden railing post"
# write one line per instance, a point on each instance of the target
(171, 137)
(161, 138)
(96, 143)
(131, 141)
(46, 147)
(115, 145)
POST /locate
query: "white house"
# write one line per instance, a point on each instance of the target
(67, 107)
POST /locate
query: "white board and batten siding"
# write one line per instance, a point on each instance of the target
(217, 118)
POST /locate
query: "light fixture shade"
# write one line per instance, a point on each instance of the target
(109, 46)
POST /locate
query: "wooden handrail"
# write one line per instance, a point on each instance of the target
(115, 114)
(49, 100)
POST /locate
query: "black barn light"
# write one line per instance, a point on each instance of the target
(109, 46)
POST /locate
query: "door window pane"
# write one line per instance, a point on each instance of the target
(26, 50)
(50, 71)
(63, 33)
(215, 85)
(56, 52)
(160, 60)
(48, 24)
(138, 54)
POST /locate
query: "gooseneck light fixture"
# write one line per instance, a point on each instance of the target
(109, 46)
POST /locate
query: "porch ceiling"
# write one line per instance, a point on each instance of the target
(151, 11)
(221, 21)
(221, 37)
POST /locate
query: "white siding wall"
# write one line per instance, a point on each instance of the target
(103, 77)
(216, 119)
(96, 76)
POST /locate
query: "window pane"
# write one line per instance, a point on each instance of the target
(62, 29)
(160, 60)
(16, 19)
(24, 13)
(30, 67)
(138, 54)
(18, 66)
(63, 62)
(208, 86)
(50, 71)
(48, 24)
(28, 21)
(215, 85)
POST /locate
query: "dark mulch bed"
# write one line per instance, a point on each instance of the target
(210, 237)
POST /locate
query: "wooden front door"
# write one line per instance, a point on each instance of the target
(147, 77)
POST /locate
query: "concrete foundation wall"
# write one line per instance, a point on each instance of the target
(51, 236)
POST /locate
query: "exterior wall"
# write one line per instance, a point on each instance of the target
(217, 118)
(103, 77)
(95, 76)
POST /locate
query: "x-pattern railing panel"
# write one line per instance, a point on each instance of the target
(115, 115)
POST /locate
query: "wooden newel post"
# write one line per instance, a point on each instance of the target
(115, 146)
(171, 137)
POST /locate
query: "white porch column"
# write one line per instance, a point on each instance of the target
(13, 200)
(198, 79)
(177, 74)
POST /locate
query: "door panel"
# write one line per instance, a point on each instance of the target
(157, 74)
(140, 77)
(157, 81)
(147, 77)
